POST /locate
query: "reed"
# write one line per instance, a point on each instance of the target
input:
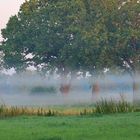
(110, 106)
(102, 106)
(12, 111)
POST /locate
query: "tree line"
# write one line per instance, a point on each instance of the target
(68, 36)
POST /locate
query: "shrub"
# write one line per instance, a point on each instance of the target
(43, 90)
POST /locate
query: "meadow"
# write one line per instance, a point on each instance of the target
(121, 126)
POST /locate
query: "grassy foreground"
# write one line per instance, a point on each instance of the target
(99, 127)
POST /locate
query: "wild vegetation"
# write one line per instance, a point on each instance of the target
(100, 107)
(43, 90)
(111, 106)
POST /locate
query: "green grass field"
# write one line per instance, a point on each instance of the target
(99, 127)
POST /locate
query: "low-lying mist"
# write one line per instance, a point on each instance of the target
(31, 89)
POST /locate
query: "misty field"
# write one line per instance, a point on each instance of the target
(100, 127)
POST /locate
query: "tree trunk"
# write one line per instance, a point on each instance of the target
(136, 94)
(65, 84)
(95, 88)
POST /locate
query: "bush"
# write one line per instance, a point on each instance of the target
(44, 90)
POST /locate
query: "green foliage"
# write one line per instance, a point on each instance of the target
(43, 90)
(123, 45)
(73, 35)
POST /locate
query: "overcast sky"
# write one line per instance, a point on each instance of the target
(7, 9)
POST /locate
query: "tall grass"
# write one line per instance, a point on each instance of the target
(12, 111)
(110, 106)
(100, 107)
(6, 111)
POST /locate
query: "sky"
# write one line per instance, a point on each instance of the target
(8, 8)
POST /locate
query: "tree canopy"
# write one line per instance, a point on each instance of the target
(74, 35)
(123, 48)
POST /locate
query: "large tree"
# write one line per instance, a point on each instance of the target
(65, 34)
(44, 29)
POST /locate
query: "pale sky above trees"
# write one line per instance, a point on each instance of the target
(8, 8)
